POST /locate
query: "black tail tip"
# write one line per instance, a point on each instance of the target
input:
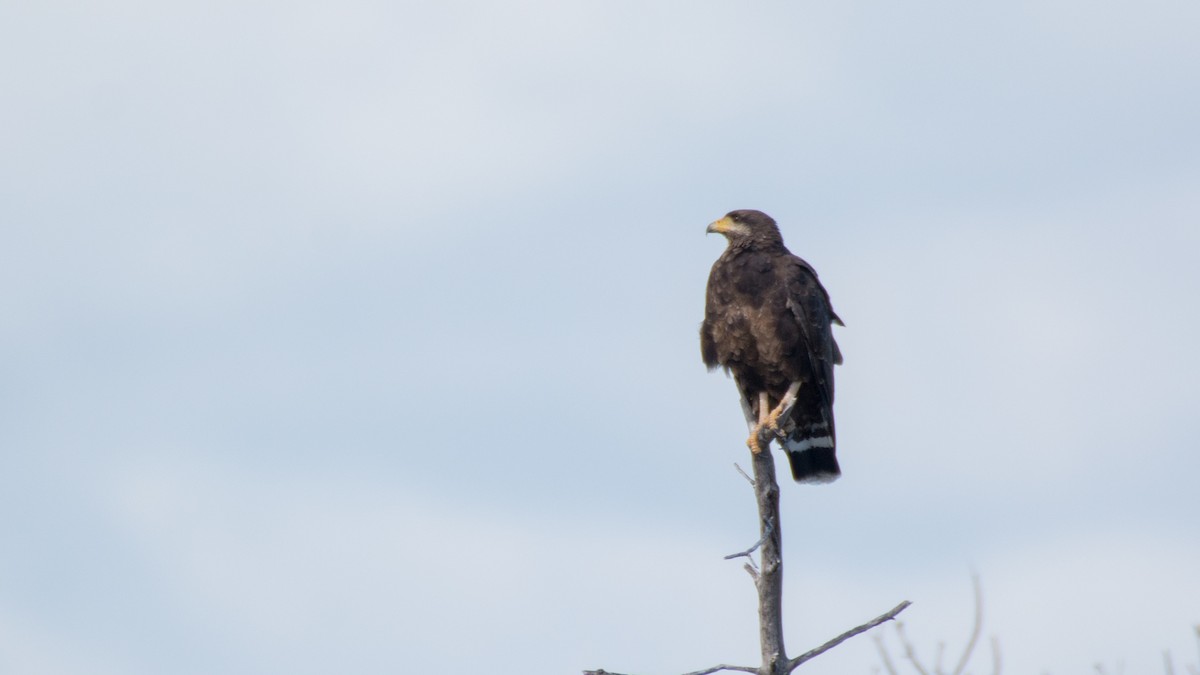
(814, 465)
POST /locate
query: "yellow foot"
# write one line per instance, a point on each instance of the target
(785, 405)
(772, 422)
(752, 442)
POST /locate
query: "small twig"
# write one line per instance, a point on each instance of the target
(909, 650)
(766, 533)
(750, 569)
(744, 474)
(1196, 671)
(706, 671)
(975, 630)
(813, 653)
(883, 654)
(995, 656)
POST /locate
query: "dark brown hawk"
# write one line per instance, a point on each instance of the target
(768, 321)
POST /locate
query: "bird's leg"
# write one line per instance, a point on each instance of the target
(764, 403)
(784, 407)
(764, 400)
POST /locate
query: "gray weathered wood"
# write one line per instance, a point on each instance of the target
(768, 580)
(770, 577)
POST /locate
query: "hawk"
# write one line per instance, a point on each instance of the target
(768, 322)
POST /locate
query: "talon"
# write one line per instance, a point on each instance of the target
(752, 442)
(773, 422)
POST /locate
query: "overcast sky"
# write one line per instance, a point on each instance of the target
(361, 337)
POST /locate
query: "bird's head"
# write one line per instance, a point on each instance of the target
(746, 226)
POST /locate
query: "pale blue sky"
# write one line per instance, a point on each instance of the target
(361, 336)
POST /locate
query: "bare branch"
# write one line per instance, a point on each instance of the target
(749, 567)
(768, 576)
(1196, 671)
(975, 630)
(887, 658)
(706, 671)
(909, 650)
(744, 474)
(769, 526)
(714, 669)
(813, 653)
(995, 656)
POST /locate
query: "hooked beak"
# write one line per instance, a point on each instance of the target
(719, 226)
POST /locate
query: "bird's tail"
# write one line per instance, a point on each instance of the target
(811, 452)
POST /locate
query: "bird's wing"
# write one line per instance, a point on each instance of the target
(809, 304)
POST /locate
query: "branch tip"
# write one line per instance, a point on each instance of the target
(813, 653)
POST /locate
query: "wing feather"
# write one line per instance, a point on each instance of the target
(809, 304)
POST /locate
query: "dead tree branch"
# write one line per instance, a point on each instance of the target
(744, 474)
(918, 666)
(744, 669)
(769, 582)
(885, 656)
(975, 629)
(706, 671)
(909, 650)
(1196, 670)
(750, 550)
(995, 656)
(768, 579)
(882, 618)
